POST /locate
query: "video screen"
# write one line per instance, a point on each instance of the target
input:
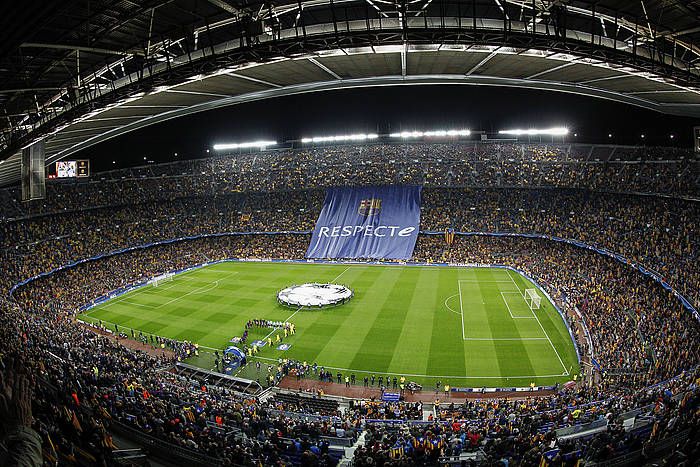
(66, 169)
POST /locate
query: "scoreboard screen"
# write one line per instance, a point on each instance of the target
(71, 169)
(82, 168)
(65, 169)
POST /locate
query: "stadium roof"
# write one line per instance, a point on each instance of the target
(76, 73)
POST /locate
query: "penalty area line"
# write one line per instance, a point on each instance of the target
(491, 339)
(449, 307)
(510, 312)
(534, 314)
(514, 283)
(197, 290)
(479, 281)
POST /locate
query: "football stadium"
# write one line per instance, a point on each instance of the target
(350, 233)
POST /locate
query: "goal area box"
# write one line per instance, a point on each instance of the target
(533, 299)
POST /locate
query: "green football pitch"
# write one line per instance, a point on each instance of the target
(467, 327)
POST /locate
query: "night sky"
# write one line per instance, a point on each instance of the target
(387, 109)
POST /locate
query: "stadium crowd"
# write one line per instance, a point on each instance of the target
(512, 433)
(84, 384)
(669, 171)
(121, 386)
(623, 223)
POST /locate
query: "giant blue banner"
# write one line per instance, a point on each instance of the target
(368, 222)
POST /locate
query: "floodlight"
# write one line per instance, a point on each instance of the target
(246, 145)
(410, 134)
(430, 134)
(556, 131)
(340, 138)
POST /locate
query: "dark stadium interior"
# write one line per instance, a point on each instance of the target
(601, 213)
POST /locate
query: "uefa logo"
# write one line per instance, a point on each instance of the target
(370, 207)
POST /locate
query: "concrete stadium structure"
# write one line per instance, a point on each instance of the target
(126, 66)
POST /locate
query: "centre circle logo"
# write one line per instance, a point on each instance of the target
(314, 295)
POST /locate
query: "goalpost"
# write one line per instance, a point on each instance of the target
(167, 277)
(532, 298)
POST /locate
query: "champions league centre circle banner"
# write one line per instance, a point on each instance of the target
(367, 222)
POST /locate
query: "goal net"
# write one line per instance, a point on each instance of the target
(533, 299)
(158, 280)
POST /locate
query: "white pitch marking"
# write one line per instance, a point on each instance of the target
(208, 348)
(338, 276)
(292, 315)
(542, 327)
(123, 297)
(448, 306)
(513, 280)
(509, 310)
(137, 304)
(191, 292)
(164, 287)
(477, 281)
(461, 308)
(145, 288)
(505, 339)
(550, 343)
(215, 285)
(180, 297)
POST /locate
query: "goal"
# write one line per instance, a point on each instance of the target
(533, 299)
(167, 277)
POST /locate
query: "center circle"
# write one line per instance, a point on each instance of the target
(314, 295)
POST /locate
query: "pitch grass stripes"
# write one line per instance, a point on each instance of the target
(542, 327)
(403, 320)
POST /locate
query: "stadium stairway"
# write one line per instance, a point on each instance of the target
(131, 453)
(346, 460)
(132, 457)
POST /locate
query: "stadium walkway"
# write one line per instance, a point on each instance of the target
(429, 396)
